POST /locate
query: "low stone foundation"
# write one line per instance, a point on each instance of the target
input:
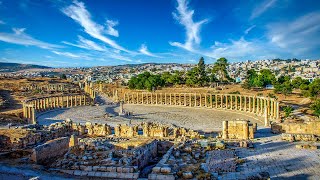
(297, 128)
(299, 137)
(238, 129)
(51, 149)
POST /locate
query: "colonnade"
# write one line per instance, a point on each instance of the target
(47, 87)
(33, 106)
(262, 106)
(88, 88)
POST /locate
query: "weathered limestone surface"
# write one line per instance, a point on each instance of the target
(124, 130)
(297, 128)
(51, 149)
(184, 132)
(98, 129)
(238, 130)
(155, 130)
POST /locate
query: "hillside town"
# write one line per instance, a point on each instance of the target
(306, 69)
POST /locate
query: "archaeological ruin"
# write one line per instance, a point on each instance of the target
(152, 150)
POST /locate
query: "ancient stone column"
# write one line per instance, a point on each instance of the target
(190, 99)
(195, 99)
(200, 103)
(221, 101)
(165, 98)
(151, 95)
(261, 106)
(225, 130)
(277, 110)
(121, 108)
(227, 105)
(236, 98)
(258, 106)
(216, 98)
(266, 119)
(249, 104)
(231, 102)
(44, 103)
(211, 102)
(245, 103)
(170, 99)
(245, 130)
(240, 103)
(33, 115)
(185, 99)
(254, 104)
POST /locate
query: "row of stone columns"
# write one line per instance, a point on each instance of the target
(29, 113)
(49, 87)
(258, 105)
(31, 107)
(88, 88)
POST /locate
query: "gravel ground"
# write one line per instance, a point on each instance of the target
(194, 118)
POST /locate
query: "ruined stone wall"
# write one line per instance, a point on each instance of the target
(297, 128)
(155, 130)
(98, 129)
(51, 149)
(238, 129)
(18, 138)
(146, 153)
(184, 132)
(124, 130)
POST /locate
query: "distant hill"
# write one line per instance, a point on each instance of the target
(11, 67)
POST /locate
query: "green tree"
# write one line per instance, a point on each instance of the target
(285, 88)
(316, 107)
(63, 76)
(191, 77)
(200, 73)
(288, 110)
(313, 90)
(220, 68)
(298, 81)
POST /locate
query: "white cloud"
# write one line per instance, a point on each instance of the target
(249, 29)
(261, 8)
(2, 22)
(67, 54)
(144, 50)
(185, 17)
(20, 37)
(120, 57)
(298, 36)
(86, 44)
(235, 49)
(110, 28)
(78, 12)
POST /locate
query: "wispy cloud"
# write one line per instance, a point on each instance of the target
(20, 37)
(110, 28)
(120, 57)
(78, 12)
(298, 36)
(86, 44)
(144, 50)
(2, 22)
(234, 49)
(185, 17)
(67, 54)
(261, 8)
(249, 29)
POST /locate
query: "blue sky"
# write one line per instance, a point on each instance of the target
(62, 33)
